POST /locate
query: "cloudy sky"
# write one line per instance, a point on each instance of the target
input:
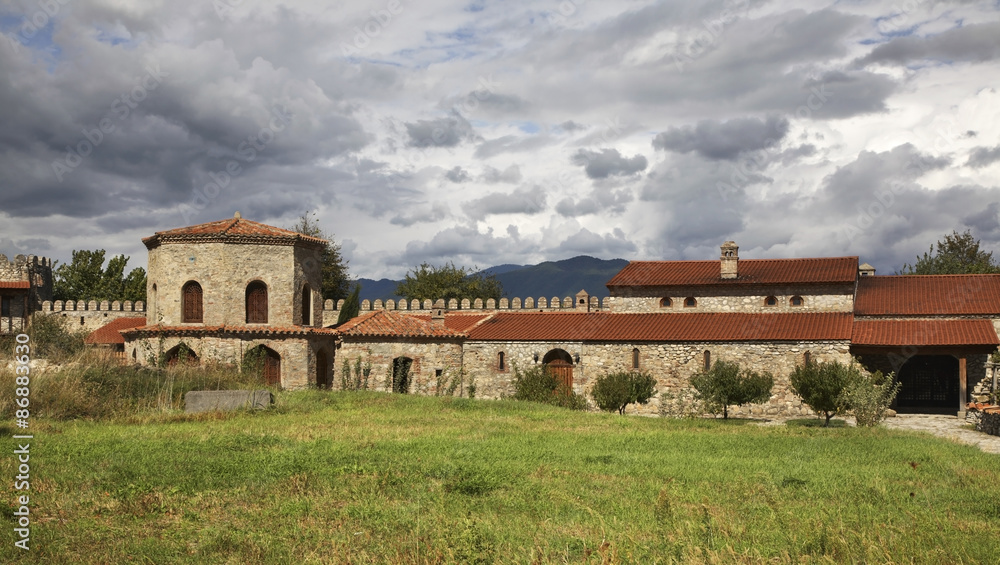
(486, 132)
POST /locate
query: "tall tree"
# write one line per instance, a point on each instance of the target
(86, 278)
(336, 279)
(447, 282)
(351, 307)
(958, 254)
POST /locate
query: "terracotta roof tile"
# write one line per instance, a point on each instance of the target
(603, 326)
(928, 295)
(457, 322)
(385, 323)
(751, 271)
(924, 332)
(237, 230)
(225, 329)
(111, 332)
(14, 284)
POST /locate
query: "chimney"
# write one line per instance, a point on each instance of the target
(583, 301)
(730, 259)
(866, 270)
(437, 318)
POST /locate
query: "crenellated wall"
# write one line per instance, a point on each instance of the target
(554, 304)
(91, 315)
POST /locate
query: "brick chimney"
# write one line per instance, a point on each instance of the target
(730, 260)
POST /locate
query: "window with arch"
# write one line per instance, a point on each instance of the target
(770, 301)
(707, 359)
(191, 299)
(635, 357)
(796, 301)
(501, 362)
(152, 301)
(807, 357)
(256, 303)
(306, 306)
(666, 302)
(690, 302)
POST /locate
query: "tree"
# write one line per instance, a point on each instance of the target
(726, 384)
(868, 395)
(86, 278)
(958, 254)
(351, 307)
(821, 386)
(615, 391)
(336, 279)
(538, 384)
(447, 282)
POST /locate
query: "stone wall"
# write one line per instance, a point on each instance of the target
(35, 270)
(672, 364)
(428, 358)
(736, 298)
(89, 316)
(224, 271)
(554, 304)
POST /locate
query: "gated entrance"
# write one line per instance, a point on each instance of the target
(930, 384)
(560, 365)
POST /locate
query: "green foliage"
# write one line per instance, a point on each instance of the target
(615, 391)
(336, 278)
(401, 374)
(352, 306)
(958, 254)
(868, 395)
(727, 384)
(821, 386)
(680, 404)
(86, 278)
(51, 339)
(537, 384)
(447, 282)
(356, 376)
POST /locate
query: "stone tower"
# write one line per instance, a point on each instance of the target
(730, 260)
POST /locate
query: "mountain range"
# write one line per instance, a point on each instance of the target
(551, 278)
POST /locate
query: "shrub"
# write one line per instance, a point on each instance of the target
(726, 384)
(615, 391)
(682, 404)
(51, 339)
(537, 384)
(821, 385)
(869, 395)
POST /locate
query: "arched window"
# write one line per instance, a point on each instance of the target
(807, 357)
(665, 303)
(796, 301)
(708, 360)
(690, 302)
(306, 306)
(152, 303)
(635, 357)
(770, 301)
(191, 311)
(180, 353)
(256, 303)
(501, 362)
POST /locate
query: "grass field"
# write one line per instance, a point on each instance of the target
(363, 477)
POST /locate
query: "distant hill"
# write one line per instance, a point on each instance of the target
(551, 278)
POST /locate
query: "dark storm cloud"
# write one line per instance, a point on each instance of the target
(983, 156)
(608, 162)
(457, 175)
(872, 173)
(522, 201)
(975, 43)
(724, 140)
(600, 201)
(442, 132)
(422, 214)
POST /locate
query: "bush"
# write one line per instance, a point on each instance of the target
(537, 384)
(615, 391)
(821, 386)
(681, 404)
(869, 395)
(726, 384)
(50, 339)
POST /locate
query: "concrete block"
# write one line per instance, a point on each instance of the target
(208, 400)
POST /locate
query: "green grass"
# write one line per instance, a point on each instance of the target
(363, 477)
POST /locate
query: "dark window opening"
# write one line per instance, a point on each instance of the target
(306, 306)
(666, 303)
(770, 301)
(500, 362)
(796, 301)
(690, 302)
(5, 306)
(708, 360)
(635, 358)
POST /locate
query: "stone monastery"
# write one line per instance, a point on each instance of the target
(220, 290)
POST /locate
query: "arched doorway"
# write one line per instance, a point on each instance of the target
(322, 370)
(265, 360)
(929, 385)
(180, 353)
(401, 374)
(560, 364)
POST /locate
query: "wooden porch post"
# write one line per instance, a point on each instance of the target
(963, 393)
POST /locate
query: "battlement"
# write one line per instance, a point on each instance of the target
(22, 261)
(93, 306)
(582, 302)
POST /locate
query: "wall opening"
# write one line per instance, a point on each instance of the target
(635, 358)
(322, 370)
(560, 364)
(256, 303)
(191, 303)
(306, 306)
(401, 376)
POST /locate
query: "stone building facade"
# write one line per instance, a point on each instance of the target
(25, 283)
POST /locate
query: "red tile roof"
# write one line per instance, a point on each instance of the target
(385, 323)
(457, 322)
(232, 230)
(14, 284)
(928, 295)
(603, 326)
(751, 271)
(194, 330)
(111, 332)
(924, 332)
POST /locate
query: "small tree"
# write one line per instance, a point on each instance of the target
(537, 384)
(351, 307)
(447, 282)
(869, 395)
(615, 391)
(821, 385)
(957, 254)
(726, 384)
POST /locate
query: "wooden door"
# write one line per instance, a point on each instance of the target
(272, 368)
(563, 372)
(256, 303)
